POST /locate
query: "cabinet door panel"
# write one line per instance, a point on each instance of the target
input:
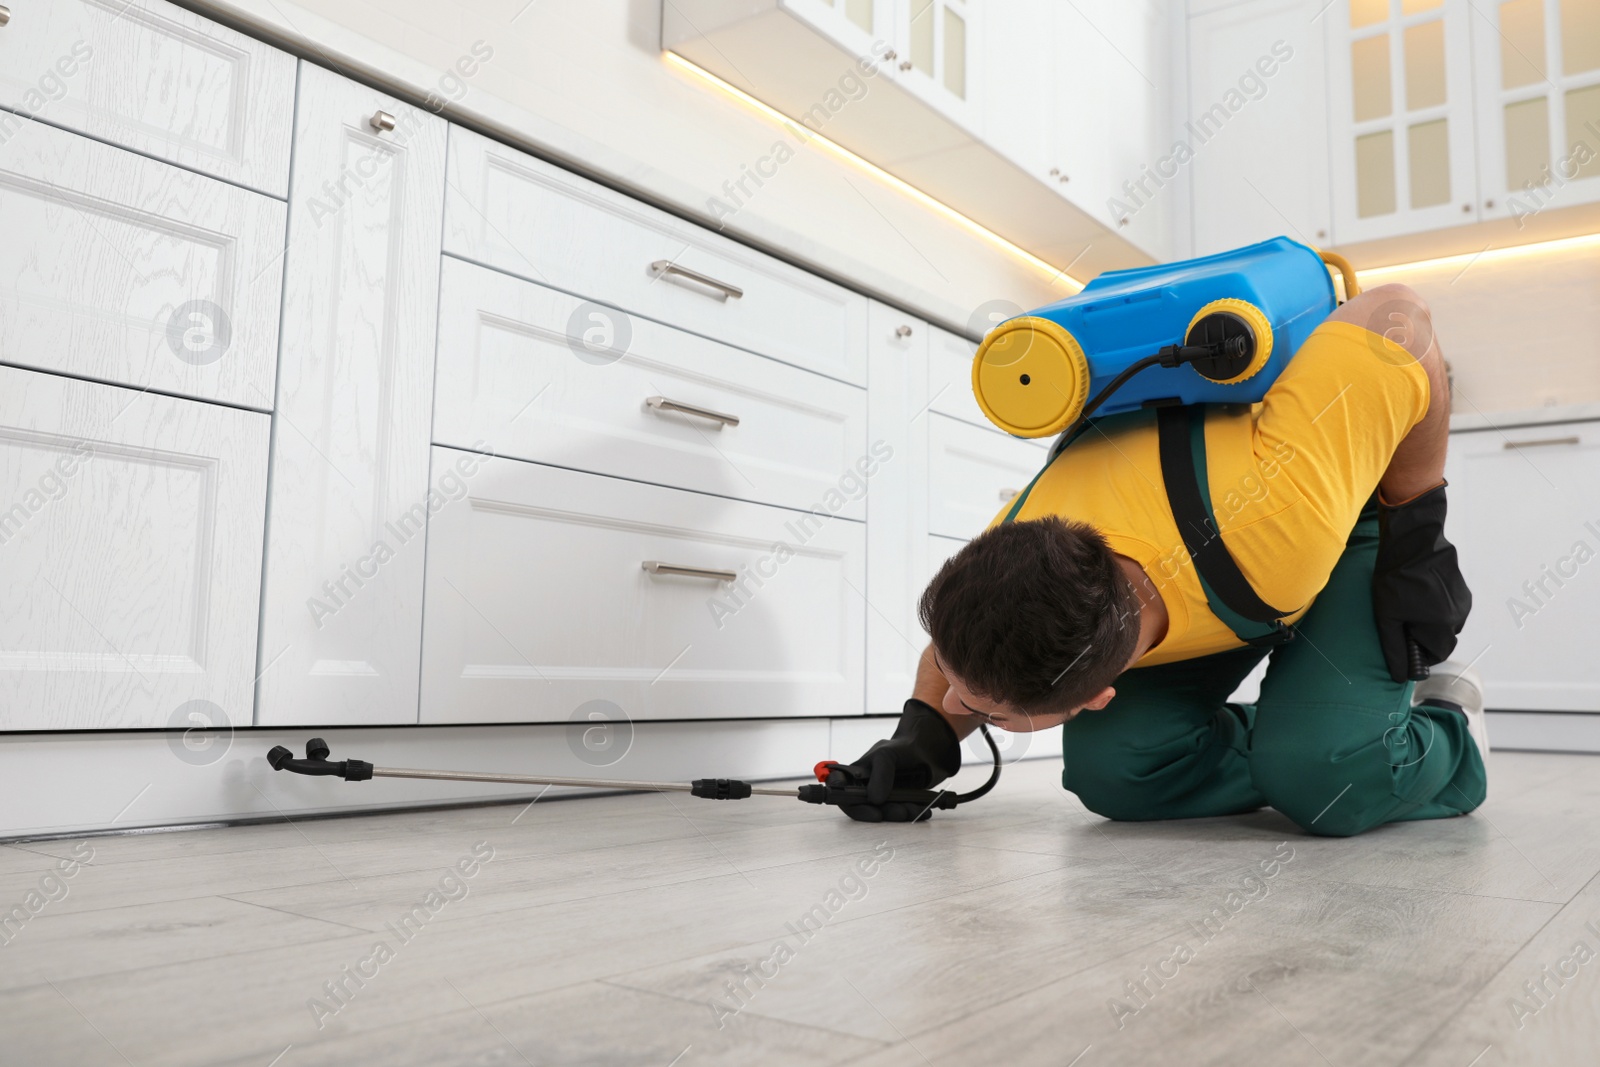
(342, 620)
(972, 472)
(897, 503)
(122, 269)
(950, 378)
(1524, 521)
(130, 556)
(154, 78)
(539, 606)
(526, 217)
(1263, 169)
(514, 372)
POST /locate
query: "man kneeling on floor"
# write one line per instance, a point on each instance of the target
(1081, 607)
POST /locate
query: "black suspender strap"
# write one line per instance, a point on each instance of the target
(1180, 435)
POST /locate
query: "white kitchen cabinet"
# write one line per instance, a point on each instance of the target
(1524, 519)
(1537, 68)
(157, 79)
(897, 503)
(130, 556)
(932, 48)
(119, 268)
(950, 473)
(1403, 147)
(523, 372)
(524, 216)
(950, 378)
(938, 47)
(972, 471)
(342, 613)
(540, 603)
(1257, 126)
(1110, 115)
(1018, 108)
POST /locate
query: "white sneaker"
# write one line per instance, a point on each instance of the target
(1459, 684)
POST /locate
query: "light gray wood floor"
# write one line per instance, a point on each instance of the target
(1022, 930)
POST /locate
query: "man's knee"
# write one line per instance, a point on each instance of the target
(1395, 311)
(1108, 791)
(1105, 772)
(1319, 789)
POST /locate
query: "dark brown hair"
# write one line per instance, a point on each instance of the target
(1034, 614)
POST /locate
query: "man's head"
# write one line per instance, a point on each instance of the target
(1031, 622)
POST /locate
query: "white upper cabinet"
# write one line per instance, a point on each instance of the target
(119, 268)
(1109, 115)
(985, 107)
(130, 556)
(931, 47)
(938, 54)
(1256, 127)
(1538, 93)
(342, 617)
(1403, 150)
(155, 78)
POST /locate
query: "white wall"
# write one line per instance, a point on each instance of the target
(585, 82)
(1520, 330)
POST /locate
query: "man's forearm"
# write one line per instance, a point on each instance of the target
(1418, 464)
(930, 688)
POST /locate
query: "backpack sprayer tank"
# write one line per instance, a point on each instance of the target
(1226, 325)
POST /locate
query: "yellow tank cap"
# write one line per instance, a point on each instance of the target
(1030, 377)
(1260, 328)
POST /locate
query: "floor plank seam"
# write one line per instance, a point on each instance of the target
(613, 983)
(295, 914)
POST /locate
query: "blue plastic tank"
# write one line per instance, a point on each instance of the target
(1033, 374)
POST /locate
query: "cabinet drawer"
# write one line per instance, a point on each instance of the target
(122, 269)
(130, 556)
(972, 472)
(538, 603)
(522, 215)
(515, 373)
(154, 78)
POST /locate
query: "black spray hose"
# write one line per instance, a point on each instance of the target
(1167, 356)
(317, 763)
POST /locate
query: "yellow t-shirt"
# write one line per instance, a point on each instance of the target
(1288, 478)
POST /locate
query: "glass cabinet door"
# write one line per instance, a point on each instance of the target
(856, 25)
(1538, 89)
(1402, 121)
(937, 48)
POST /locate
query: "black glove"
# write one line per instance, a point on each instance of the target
(923, 752)
(1418, 594)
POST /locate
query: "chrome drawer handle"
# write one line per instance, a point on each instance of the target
(5, 15)
(664, 267)
(1543, 441)
(656, 567)
(661, 403)
(1008, 494)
